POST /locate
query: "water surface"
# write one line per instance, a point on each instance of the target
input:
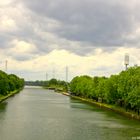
(39, 114)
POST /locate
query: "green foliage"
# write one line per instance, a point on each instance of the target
(52, 84)
(111, 93)
(36, 83)
(4, 86)
(9, 83)
(57, 84)
(122, 89)
(134, 98)
(83, 86)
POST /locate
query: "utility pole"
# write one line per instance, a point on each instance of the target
(67, 76)
(67, 73)
(53, 73)
(126, 61)
(46, 76)
(6, 64)
(0, 64)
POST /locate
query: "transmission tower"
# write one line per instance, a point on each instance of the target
(6, 65)
(67, 72)
(126, 61)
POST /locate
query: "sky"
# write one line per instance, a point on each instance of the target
(40, 38)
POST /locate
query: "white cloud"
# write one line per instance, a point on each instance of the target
(99, 64)
(5, 2)
(7, 24)
(22, 50)
(37, 37)
(22, 47)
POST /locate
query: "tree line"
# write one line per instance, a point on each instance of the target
(9, 82)
(58, 85)
(50, 84)
(35, 83)
(122, 89)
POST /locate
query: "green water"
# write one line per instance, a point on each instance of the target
(39, 114)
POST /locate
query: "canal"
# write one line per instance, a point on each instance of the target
(39, 114)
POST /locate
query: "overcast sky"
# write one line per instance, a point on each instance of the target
(89, 36)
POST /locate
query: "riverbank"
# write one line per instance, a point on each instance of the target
(2, 98)
(116, 109)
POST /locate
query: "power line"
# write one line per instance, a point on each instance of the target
(53, 73)
(6, 65)
(46, 76)
(67, 70)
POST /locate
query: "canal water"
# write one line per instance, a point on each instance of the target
(39, 114)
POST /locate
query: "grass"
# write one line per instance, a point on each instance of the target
(114, 108)
(4, 97)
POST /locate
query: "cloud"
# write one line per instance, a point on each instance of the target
(5, 2)
(22, 50)
(90, 36)
(101, 23)
(99, 64)
(74, 24)
(7, 24)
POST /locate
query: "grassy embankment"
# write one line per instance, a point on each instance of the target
(114, 108)
(117, 109)
(56, 88)
(4, 97)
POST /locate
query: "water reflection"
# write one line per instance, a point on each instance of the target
(103, 117)
(39, 114)
(76, 103)
(3, 106)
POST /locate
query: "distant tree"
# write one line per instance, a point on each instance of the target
(53, 82)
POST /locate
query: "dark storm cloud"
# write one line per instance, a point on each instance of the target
(79, 26)
(99, 22)
(5, 39)
(21, 57)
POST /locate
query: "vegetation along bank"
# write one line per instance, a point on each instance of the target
(119, 92)
(10, 84)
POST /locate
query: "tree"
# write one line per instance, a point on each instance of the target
(122, 89)
(9, 83)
